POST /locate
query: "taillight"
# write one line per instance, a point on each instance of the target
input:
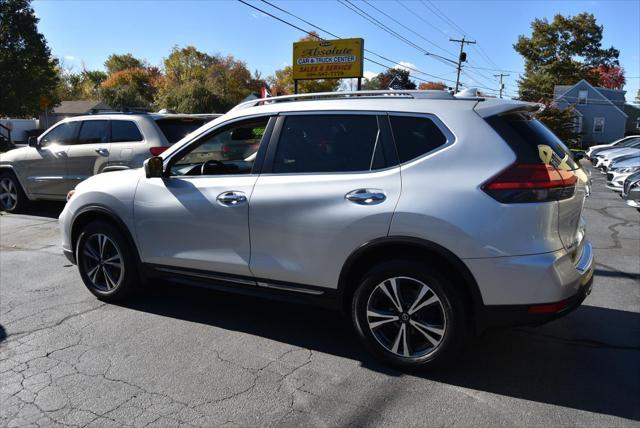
(157, 151)
(521, 183)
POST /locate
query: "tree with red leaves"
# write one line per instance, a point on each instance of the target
(610, 77)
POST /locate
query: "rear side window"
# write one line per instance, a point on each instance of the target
(94, 132)
(177, 128)
(329, 143)
(532, 142)
(124, 131)
(415, 136)
(61, 134)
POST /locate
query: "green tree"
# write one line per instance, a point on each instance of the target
(196, 82)
(27, 70)
(561, 52)
(132, 87)
(80, 86)
(117, 62)
(399, 78)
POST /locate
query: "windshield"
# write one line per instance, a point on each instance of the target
(175, 129)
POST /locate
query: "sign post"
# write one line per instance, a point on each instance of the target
(328, 59)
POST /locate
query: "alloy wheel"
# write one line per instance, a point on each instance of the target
(8, 194)
(103, 262)
(406, 317)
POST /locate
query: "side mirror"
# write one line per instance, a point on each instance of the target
(153, 167)
(33, 142)
(578, 155)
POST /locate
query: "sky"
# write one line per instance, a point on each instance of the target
(84, 33)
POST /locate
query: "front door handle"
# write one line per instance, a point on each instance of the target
(102, 151)
(366, 196)
(61, 154)
(231, 198)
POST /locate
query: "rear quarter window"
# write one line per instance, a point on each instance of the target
(124, 131)
(415, 136)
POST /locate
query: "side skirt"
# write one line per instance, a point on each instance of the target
(258, 287)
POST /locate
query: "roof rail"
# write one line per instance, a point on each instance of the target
(415, 94)
(125, 110)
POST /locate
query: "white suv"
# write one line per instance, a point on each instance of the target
(424, 217)
(79, 147)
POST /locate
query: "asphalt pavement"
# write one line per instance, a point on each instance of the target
(181, 356)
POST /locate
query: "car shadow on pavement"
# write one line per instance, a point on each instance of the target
(588, 360)
(51, 209)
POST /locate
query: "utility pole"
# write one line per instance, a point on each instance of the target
(462, 58)
(501, 75)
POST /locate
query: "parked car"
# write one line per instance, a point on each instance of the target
(619, 171)
(79, 147)
(631, 190)
(603, 157)
(622, 142)
(423, 216)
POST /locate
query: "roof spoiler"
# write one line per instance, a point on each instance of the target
(492, 107)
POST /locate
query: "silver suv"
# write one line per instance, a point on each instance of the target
(79, 147)
(424, 217)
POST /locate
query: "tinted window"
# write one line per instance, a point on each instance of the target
(329, 143)
(176, 129)
(94, 132)
(124, 131)
(61, 134)
(229, 151)
(415, 136)
(529, 139)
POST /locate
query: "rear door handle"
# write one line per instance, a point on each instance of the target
(62, 154)
(231, 198)
(366, 196)
(102, 151)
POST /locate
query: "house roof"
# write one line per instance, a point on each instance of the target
(597, 90)
(79, 106)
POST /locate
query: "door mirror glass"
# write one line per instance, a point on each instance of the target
(153, 167)
(578, 155)
(33, 142)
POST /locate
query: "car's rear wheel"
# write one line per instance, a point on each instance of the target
(409, 315)
(106, 262)
(12, 197)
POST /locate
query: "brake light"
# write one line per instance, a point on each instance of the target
(157, 151)
(521, 183)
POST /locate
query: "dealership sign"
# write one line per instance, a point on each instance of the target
(328, 59)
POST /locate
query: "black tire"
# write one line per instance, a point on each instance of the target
(102, 283)
(448, 314)
(8, 179)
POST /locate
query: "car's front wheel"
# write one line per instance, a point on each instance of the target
(106, 262)
(12, 197)
(409, 315)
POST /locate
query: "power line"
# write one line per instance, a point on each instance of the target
(395, 63)
(406, 28)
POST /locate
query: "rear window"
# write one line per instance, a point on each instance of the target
(124, 131)
(532, 142)
(176, 129)
(415, 136)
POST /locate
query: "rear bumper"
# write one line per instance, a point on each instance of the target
(516, 315)
(536, 289)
